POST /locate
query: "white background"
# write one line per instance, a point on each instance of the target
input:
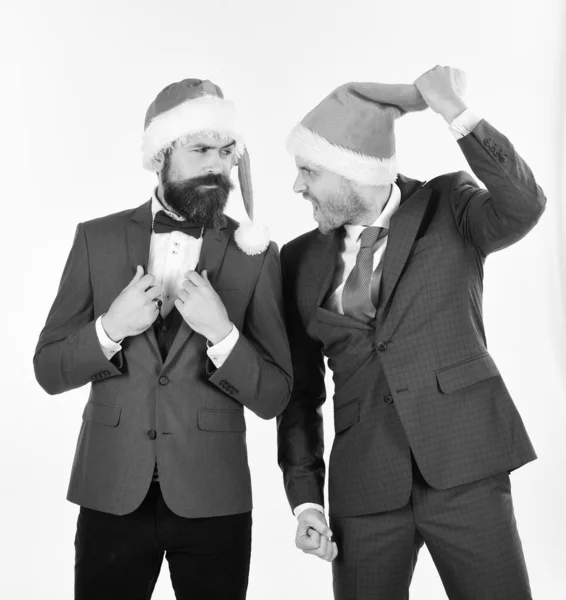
(76, 79)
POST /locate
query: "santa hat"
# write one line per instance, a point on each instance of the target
(351, 131)
(197, 107)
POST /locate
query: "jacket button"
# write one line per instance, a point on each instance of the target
(163, 380)
(152, 434)
(388, 399)
(381, 346)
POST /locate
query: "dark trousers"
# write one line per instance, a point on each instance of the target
(470, 531)
(119, 557)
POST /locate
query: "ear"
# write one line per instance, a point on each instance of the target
(159, 162)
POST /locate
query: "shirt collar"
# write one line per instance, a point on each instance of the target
(354, 231)
(156, 206)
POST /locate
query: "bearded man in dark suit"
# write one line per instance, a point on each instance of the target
(173, 357)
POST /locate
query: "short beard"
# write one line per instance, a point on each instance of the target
(342, 208)
(202, 207)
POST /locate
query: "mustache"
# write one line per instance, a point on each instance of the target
(217, 179)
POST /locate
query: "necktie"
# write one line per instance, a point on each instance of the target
(163, 223)
(358, 293)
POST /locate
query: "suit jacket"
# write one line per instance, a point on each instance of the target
(182, 412)
(428, 342)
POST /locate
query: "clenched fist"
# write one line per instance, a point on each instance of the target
(202, 308)
(314, 535)
(134, 310)
(442, 89)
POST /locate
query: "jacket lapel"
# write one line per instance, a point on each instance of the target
(403, 229)
(322, 263)
(139, 238)
(214, 245)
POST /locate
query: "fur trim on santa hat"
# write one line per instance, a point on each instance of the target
(252, 238)
(207, 115)
(366, 170)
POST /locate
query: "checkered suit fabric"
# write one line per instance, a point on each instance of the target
(427, 348)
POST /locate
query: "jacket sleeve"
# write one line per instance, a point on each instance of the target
(300, 434)
(258, 373)
(495, 218)
(68, 354)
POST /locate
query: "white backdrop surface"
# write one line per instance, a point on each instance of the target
(76, 79)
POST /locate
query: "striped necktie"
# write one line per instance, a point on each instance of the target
(358, 293)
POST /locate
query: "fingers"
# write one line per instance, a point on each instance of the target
(318, 546)
(322, 548)
(153, 292)
(182, 297)
(317, 521)
(145, 282)
(308, 540)
(195, 278)
(198, 279)
(137, 276)
(188, 285)
(460, 80)
(327, 550)
(334, 551)
(314, 535)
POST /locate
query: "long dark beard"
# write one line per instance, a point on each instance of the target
(203, 207)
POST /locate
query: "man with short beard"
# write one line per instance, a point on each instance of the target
(173, 357)
(389, 289)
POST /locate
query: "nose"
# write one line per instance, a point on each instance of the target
(299, 186)
(215, 165)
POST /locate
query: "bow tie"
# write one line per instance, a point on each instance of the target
(163, 223)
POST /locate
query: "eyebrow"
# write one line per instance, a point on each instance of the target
(203, 145)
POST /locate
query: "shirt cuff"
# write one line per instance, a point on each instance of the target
(109, 347)
(464, 123)
(302, 507)
(221, 351)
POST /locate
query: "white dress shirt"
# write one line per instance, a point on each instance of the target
(351, 247)
(460, 126)
(171, 255)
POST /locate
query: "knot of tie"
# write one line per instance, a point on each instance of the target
(370, 235)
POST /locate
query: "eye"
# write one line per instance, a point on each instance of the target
(201, 150)
(228, 151)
